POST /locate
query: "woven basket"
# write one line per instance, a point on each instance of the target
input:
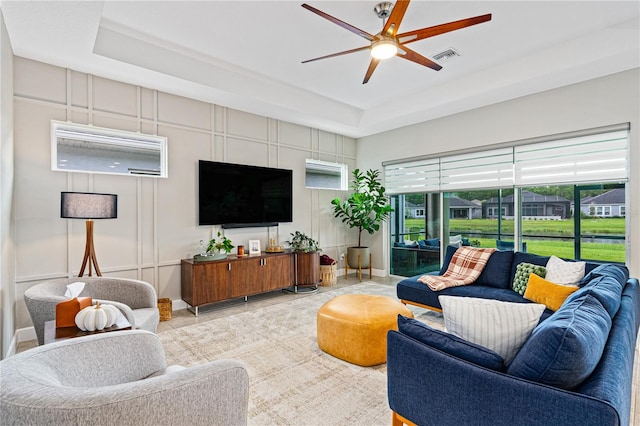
(164, 306)
(328, 274)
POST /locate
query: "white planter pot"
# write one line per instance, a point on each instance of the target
(352, 255)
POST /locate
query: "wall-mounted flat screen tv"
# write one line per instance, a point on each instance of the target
(239, 195)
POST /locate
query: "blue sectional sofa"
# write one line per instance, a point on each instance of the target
(575, 368)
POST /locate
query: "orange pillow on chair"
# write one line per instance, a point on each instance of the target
(549, 294)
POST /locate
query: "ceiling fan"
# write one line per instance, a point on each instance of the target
(388, 42)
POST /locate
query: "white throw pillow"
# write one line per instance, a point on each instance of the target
(455, 241)
(562, 272)
(500, 326)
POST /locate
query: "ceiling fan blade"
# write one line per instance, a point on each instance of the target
(406, 53)
(372, 67)
(397, 13)
(343, 24)
(337, 54)
(411, 36)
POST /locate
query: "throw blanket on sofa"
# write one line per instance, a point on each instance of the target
(465, 267)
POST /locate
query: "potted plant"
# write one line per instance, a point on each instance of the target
(219, 248)
(307, 257)
(365, 209)
(300, 242)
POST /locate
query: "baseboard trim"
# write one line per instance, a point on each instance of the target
(21, 335)
(178, 304)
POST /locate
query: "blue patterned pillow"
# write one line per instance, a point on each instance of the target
(521, 277)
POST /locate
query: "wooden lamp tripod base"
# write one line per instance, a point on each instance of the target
(89, 252)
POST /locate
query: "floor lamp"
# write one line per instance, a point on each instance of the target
(89, 206)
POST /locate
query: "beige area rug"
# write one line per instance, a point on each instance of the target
(292, 382)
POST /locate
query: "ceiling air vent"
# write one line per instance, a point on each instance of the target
(445, 56)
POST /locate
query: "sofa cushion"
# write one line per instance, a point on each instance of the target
(448, 255)
(435, 242)
(565, 349)
(496, 272)
(606, 286)
(563, 272)
(619, 272)
(523, 271)
(413, 290)
(500, 326)
(549, 294)
(448, 343)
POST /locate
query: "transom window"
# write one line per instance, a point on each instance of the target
(326, 175)
(90, 149)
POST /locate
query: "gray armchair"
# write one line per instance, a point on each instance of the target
(136, 299)
(118, 378)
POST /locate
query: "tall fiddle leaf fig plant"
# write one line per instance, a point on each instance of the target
(367, 206)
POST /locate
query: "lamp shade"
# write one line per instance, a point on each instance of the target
(88, 205)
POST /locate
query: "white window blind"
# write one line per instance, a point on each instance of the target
(411, 177)
(597, 156)
(594, 158)
(486, 169)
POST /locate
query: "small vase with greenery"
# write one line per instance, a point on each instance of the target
(220, 247)
(365, 209)
(301, 242)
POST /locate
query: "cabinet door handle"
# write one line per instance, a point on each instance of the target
(229, 266)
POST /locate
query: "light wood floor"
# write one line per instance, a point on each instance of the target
(183, 318)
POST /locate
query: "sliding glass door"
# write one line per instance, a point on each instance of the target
(415, 231)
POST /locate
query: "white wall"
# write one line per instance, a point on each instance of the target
(600, 102)
(7, 259)
(156, 224)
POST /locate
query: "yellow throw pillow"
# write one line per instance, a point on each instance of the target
(549, 294)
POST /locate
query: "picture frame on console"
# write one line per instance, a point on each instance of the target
(254, 247)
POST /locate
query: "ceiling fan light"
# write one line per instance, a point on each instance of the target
(384, 49)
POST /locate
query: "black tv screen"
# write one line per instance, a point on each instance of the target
(240, 195)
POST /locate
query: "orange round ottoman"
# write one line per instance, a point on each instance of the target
(353, 327)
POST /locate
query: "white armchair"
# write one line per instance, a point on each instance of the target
(118, 378)
(136, 299)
